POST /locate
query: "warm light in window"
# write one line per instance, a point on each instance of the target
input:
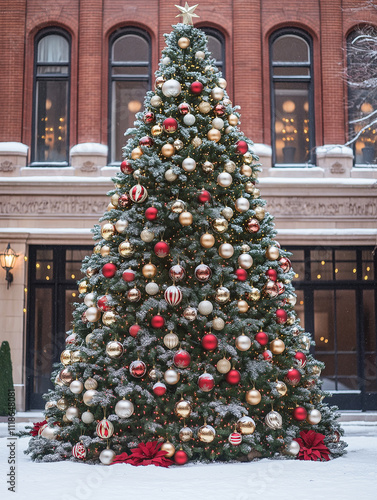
(73, 276)
(289, 106)
(323, 262)
(322, 339)
(354, 271)
(37, 265)
(366, 108)
(47, 278)
(48, 103)
(326, 341)
(336, 270)
(25, 258)
(296, 275)
(48, 266)
(368, 268)
(24, 310)
(301, 302)
(134, 106)
(73, 294)
(25, 290)
(365, 277)
(319, 276)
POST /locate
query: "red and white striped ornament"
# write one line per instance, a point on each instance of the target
(79, 451)
(235, 438)
(104, 429)
(138, 193)
(173, 295)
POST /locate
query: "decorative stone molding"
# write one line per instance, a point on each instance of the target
(13, 156)
(336, 160)
(88, 158)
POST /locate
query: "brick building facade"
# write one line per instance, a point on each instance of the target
(277, 58)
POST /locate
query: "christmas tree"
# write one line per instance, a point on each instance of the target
(186, 344)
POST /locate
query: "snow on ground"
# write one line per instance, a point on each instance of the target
(351, 477)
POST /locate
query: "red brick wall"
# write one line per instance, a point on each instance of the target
(245, 25)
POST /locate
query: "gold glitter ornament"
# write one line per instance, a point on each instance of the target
(168, 150)
(243, 306)
(246, 425)
(157, 129)
(222, 295)
(233, 120)
(156, 101)
(182, 408)
(208, 167)
(178, 206)
(136, 153)
(246, 170)
(83, 286)
(105, 250)
(254, 294)
(218, 323)
(171, 340)
(149, 270)
(259, 213)
(223, 365)
(109, 318)
(222, 83)
(147, 235)
(248, 158)
(170, 176)
(230, 166)
(220, 225)
(185, 434)
(205, 107)
(126, 249)
(217, 93)
(65, 357)
(249, 187)
(90, 384)
(185, 218)
(107, 231)
(281, 388)
(214, 135)
(160, 80)
(178, 144)
(196, 142)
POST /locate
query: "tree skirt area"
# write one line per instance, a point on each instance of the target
(352, 476)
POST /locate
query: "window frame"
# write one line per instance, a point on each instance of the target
(52, 77)
(221, 38)
(298, 78)
(129, 30)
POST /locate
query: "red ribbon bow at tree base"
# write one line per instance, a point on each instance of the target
(312, 446)
(37, 425)
(145, 454)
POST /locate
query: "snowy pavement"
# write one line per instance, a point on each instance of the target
(353, 476)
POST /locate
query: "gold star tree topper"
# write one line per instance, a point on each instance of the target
(187, 13)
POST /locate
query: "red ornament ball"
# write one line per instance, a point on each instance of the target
(146, 141)
(149, 117)
(241, 274)
(209, 342)
(151, 213)
(138, 368)
(281, 287)
(128, 275)
(161, 249)
(170, 125)
(102, 302)
(138, 193)
(134, 330)
(261, 338)
(285, 264)
(241, 147)
(281, 316)
(157, 321)
(124, 201)
(300, 358)
(79, 451)
(196, 88)
(180, 457)
(252, 225)
(177, 272)
(159, 389)
(184, 108)
(203, 272)
(293, 377)
(272, 274)
(204, 196)
(182, 359)
(219, 109)
(267, 355)
(109, 270)
(126, 167)
(299, 413)
(206, 382)
(233, 377)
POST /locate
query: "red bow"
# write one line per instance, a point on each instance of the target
(312, 446)
(37, 425)
(145, 454)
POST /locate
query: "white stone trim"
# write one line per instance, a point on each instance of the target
(89, 149)
(334, 150)
(13, 148)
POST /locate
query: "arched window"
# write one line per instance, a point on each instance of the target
(362, 96)
(130, 78)
(292, 97)
(51, 97)
(216, 45)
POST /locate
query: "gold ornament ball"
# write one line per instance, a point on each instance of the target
(147, 235)
(65, 357)
(190, 313)
(249, 187)
(246, 425)
(76, 356)
(272, 253)
(256, 193)
(105, 251)
(169, 448)
(220, 225)
(136, 153)
(171, 340)
(233, 120)
(222, 295)
(168, 150)
(83, 286)
(316, 371)
(214, 135)
(230, 166)
(273, 420)
(253, 397)
(62, 404)
(184, 42)
(223, 365)
(243, 306)
(222, 83)
(90, 383)
(185, 218)
(196, 142)
(205, 107)
(245, 248)
(208, 167)
(227, 212)
(110, 207)
(114, 199)
(109, 318)
(246, 170)
(97, 249)
(178, 144)
(121, 225)
(107, 231)
(254, 294)
(259, 213)
(152, 374)
(185, 434)
(160, 80)
(243, 343)
(149, 270)
(217, 93)
(226, 250)
(218, 323)
(157, 129)
(248, 158)
(156, 101)
(182, 408)
(91, 272)
(88, 397)
(207, 240)
(200, 55)
(170, 176)
(50, 404)
(178, 207)
(92, 314)
(126, 249)
(66, 376)
(114, 349)
(281, 388)
(277, 346)
(134, 295)
(291, 319)
(89, 338)
(206, 433)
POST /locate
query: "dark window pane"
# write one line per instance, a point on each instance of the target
(73, 264)
(130, 70)
(299, 269)
(291, 71)
(128, 98)
(130, 48)
(369, 323)
(56, 70)
(71, 296)
(290, 48)
(346, 320)
(53, 49)
(324, 326)
(345, 265)
(215, 47)
(51, 121)
(300, 307)
(44, 265)
(321, 271)
(292, 122)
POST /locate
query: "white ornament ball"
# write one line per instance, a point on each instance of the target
(50, 432)
(218, 123)
(152, 288)
(293, 448)
(227, 212)
(87, 417)
(124, 408)
(218, 324)
(189, 119)
(88, 397)
(71, 413)
(230, 166)
(89, 299)
(166, 60)
(76, 386)
(170, 176)
(121, 225)
(292, 299)
(229, 129)
(217, 93)
(243, 343)
(107, 456)
(200, 54)
(147, 235)
(245, 261)
(314, 417)
(242, 204)
(171, 376)
(205, 307)
(189, 164)
(224, 179)
(171, 88)
(226, 250)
